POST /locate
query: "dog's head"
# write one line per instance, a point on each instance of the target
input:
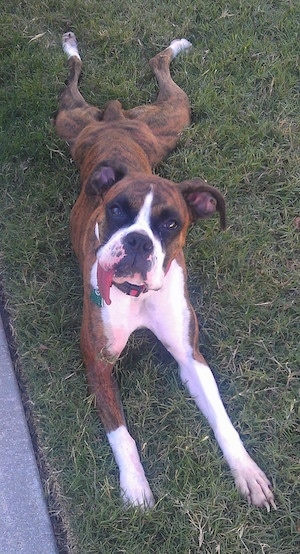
(143, 227)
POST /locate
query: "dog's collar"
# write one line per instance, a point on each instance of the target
(127, 288)
(131, 290)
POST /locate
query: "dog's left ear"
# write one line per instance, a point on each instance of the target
(203, 200)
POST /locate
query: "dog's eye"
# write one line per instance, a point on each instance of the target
(171, 225)
(116, 211)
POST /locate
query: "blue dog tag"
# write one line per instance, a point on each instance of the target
(97, 298)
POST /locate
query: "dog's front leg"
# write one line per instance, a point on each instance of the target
(135, 489)
(249, 478)
(99, 358)
(174, 323)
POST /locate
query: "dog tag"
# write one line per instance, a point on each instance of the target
(97, 298)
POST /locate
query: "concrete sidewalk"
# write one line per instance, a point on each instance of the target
(24, 521)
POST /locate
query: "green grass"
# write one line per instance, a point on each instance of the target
(242, 79)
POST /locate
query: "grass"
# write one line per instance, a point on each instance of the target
(242, 80)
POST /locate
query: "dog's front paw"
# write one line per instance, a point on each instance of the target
(252, 483)
(135, 491)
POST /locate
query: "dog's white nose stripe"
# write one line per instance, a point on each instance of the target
(143, 217)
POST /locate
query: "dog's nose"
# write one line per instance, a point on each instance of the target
(138, 242)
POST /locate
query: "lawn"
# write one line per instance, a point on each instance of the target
(242, 79)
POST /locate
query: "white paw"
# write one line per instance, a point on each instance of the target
(69, 45)
(179, 45)
(135, 491)
(252, 483)
(134, 486)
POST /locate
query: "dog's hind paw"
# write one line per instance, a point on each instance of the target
(69, 45)
(180, 45)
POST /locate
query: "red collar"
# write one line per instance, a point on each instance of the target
(131, 290)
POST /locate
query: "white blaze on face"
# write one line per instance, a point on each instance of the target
(144, 215)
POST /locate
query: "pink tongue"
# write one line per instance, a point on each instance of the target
(104, 281)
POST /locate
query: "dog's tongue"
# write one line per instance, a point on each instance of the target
(104, 281)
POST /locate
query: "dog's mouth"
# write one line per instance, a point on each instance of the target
(107, 277)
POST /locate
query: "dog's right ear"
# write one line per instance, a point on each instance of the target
(102, 178)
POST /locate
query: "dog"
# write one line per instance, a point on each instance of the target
(128, 228)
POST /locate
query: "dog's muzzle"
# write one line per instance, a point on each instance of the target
(136, 262)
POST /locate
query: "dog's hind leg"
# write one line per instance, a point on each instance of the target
(170, 113)
(74, 112)
(169, 91)
(71, 97)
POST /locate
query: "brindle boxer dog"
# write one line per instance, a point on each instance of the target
(128, 229)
